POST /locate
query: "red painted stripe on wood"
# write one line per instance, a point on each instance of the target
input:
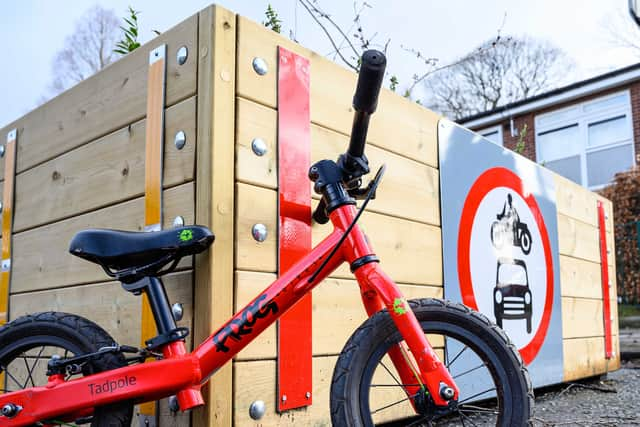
(604, 265)
(294, 157)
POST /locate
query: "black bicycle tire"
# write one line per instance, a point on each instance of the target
(346, 400)
(81, 336)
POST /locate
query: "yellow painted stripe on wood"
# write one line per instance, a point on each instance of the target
(7, 222)
(154, 145)
(42, 254)
(105, 171)
(106, 101)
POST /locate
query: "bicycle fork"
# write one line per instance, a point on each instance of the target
(378, 291)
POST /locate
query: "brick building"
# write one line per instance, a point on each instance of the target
(587, 131)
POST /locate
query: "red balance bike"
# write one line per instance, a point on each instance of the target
(419, 362)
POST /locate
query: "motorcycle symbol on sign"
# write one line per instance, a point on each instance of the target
(508, 229)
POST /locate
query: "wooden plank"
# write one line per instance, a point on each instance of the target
(581, 317)
(256, 381)
(400, 125)
(215, 196)
(107, 304)
(575, 201)
(580, 278)
(256, 121)
(8, 210)
(409, 189)
(42, 257)
(337, 312)
(107, 101)
(103, 172)
(578, 239)
(583, 357)
(410, 251)
(256, 205)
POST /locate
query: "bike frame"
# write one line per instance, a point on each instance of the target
(182, 373)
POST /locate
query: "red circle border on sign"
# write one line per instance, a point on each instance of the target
(490, 179)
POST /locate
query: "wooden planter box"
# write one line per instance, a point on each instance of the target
(81, 163)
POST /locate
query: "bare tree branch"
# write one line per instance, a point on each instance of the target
(498, 72)
(86, 51)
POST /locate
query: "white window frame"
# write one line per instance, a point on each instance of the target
(576, 115)
(492, 129)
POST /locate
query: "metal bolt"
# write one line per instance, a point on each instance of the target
(446, 392)
(174, 406)
(606, 215)
(178, 221)
(258, 146)
(307, 395)
(182, 55)
(257, 409)
(259, 232)
(0, 206)
(284, 397)
(2, 150)
(260, 66)
(178, 311)
(608, 251)
(10, 410)
(12, 135)
(180, 140)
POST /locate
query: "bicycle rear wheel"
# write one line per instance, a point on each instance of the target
(28, 342)
(494, 383)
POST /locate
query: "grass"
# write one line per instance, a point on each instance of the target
(627, 310)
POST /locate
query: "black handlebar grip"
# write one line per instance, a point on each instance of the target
(372, 66)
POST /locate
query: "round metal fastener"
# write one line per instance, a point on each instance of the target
(260, 66)
(259, 147)
(284, 397)
(178, 221)
(180, 140)
(178, 311)
(307, 395)
(182, 55)
(257, 409)
(0, 206)
(174, 406)
(259, 232)
(2, 150)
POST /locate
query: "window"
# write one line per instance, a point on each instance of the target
(588, 143)
(493, 134)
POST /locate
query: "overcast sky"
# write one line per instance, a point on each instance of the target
(31, 31)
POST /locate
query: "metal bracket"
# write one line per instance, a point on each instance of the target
(147, 420)
(6, 265)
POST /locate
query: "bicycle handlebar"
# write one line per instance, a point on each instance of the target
(365, 99)
(353, 164)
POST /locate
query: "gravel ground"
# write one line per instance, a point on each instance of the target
(612, 400)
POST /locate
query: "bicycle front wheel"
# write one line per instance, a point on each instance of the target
(28, 342)
(495, 388)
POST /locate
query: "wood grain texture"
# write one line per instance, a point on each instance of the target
(103, 172)
(578, 239)
(107, 304)
(256, 380)
(256, 121)
(256, 205)
(410, 251)
(575, 201)
(215, 196)
(581, 317)
(580, 278)
(399, 125)
(107, 101)
(337, 312)
(409, 190)
(42, 257)
(584, 357)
